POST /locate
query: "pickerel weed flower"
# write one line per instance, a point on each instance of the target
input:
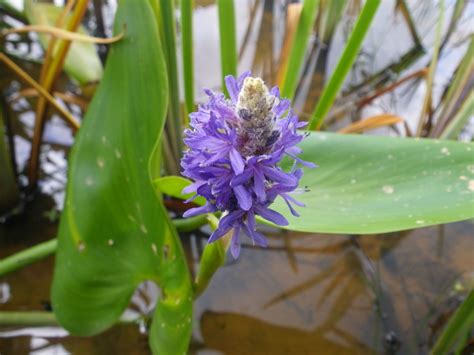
(234, 149)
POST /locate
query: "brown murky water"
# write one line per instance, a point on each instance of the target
(305, 293)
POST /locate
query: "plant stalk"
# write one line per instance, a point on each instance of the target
(27, 256)
(38, 318)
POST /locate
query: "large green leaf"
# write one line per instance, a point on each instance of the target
(369, 184)
(114, 232)
(82, 61)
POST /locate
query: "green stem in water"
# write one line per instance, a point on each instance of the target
(27, 256)
(27, 318)
(42, 250)
(37, 319)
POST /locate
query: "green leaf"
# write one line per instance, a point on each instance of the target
(228, 40)
(345, 63)
(459, 121)
(174, 185)
(459, 324)
(82, 62)
(188, 53)
(455, 94)
(114, 232)
(369, 184)
(298, 48)
(165, 15)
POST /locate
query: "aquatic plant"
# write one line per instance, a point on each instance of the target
(246, 155)
(235, 147)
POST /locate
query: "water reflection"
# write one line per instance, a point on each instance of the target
(368, 294)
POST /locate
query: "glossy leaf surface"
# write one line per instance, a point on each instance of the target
(369, 184)
(114, 232)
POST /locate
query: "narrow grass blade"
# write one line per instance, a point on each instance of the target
(345, 63)
(460, 84)
(293, 14)
(459, 324)
(188, 54)
(459, 121)
(298, 49)
(425, 111)
(402, 6)
(330, 18)
(165, 15)
(228, 39)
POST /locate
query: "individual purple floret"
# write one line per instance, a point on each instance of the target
(234, 149)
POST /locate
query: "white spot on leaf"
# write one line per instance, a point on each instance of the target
(89, 181)
(445, 151)
(388, 189)
(100, 162)
(471, 185)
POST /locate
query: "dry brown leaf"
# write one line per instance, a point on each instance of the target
(373, 122)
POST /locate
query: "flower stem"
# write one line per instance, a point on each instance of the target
(212, 259)
(42, 250)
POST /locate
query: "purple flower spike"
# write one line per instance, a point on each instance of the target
(235, 146)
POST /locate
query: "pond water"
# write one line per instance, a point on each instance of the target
(305, 293)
